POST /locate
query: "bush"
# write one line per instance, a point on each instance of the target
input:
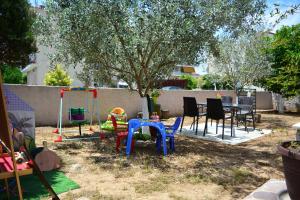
(58, 77)
(191, 81)
(208, 81)
(12, 75)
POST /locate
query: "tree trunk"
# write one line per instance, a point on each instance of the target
(145, 111)
(279, 103)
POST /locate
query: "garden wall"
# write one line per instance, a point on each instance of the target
(45, 101)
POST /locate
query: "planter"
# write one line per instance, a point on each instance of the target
(291, 166)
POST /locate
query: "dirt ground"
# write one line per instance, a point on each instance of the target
(197, 170)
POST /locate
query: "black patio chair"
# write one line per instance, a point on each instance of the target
(190, 109)
(246, 111)
(226, 99)
(216, 112)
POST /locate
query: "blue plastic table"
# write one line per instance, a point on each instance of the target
(134, 124)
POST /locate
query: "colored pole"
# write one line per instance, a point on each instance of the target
(60, 115)
(92, 113)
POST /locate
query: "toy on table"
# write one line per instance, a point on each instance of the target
(120, 115)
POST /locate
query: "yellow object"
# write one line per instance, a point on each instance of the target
(188, 69)
(118, 111)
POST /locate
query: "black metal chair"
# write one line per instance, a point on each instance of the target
(216, 112)
(226, 99)
(246, 111)
(190, 109)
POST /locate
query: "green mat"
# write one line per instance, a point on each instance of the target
(34, 190)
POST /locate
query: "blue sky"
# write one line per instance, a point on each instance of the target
(284, 5)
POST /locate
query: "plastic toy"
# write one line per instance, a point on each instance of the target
(120, 115)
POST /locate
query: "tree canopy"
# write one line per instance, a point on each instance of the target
(16, 38)
(284, 54)
(141, 41)
(242, 61)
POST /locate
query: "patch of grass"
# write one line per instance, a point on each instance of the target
(158, 183)
(194, 178)
(92, 195)
(69, 145)
(239, 175)
(176, 197)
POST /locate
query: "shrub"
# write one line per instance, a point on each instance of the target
(57, 77)
(191, 81)
(12, 75)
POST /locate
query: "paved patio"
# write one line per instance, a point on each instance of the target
(239, 133)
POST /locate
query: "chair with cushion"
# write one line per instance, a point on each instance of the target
(170, 132)
(121, 132)
(190, 109)
(246, 111)
(216, 112)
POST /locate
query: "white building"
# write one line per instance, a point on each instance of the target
(40, 65)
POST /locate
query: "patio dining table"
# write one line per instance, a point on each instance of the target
(134, 124)
(232, 106)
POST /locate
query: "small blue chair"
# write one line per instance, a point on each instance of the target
(170, 132)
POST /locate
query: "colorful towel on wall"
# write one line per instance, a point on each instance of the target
(34, 190)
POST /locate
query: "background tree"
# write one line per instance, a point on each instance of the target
(213, 81)
(12, 75)
(284, 54)
(280, 14)
(241, 61)
(191, 81)
(141, 41)
(58, 77)
(16, 38)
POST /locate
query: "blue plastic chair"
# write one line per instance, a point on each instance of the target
(170, 132)
(134, 124)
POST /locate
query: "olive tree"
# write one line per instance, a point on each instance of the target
(243, 61)
(140, 41)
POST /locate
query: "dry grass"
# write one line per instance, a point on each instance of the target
(197, 170)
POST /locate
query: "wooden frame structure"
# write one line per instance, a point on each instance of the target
(6, 141)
